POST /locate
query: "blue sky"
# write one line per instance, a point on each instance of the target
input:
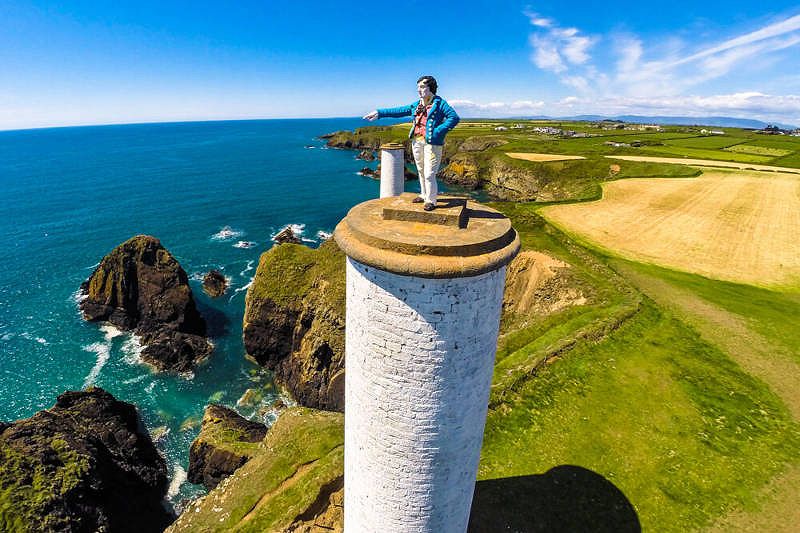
(72, 63)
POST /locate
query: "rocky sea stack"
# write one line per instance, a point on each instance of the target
(294, 321)
(226, 441)
(215, 284)
(85, 464)
(286, 235)
(140, 286)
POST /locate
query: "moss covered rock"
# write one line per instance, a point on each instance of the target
(226, 441)
(289, 485)
(83, 465)
(140, 286)
(294, 321)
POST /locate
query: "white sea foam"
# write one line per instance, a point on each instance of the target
(247, 269)
(149, 389)
(6, 337)
(110, 331)
(31, 337)
(103, 352)
(244, 244)
(178, 479)
(78, 296)
(324, 235)
(241, 289)
(297, 229)
(227, 233)
(132, 350)
(137, 379)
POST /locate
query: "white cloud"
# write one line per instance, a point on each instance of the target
(496, 109)
(545, 54)
(638, 69)
(555, 47)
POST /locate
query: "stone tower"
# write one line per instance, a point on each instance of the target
(424, 295)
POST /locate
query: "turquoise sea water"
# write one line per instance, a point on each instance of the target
(70, 195)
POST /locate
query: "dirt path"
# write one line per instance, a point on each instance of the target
(543, 157)
(705, 163)
(736, 226)
(780, 499)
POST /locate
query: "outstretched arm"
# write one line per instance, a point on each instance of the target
(372, 115)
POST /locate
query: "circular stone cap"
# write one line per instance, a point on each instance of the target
(392, 146)
(459, 238)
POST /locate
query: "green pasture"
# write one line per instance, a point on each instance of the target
(705, 142)
(698, 153)
(758, 150)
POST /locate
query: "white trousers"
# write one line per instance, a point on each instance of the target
(428, 157)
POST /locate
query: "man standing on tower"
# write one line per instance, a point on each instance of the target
(433, 119)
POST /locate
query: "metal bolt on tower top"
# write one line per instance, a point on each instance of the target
(424, 295)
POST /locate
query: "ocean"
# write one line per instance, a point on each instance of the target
(214, 193)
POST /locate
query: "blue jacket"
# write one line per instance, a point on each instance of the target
(441, 118)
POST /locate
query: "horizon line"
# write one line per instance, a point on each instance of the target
(513, 117)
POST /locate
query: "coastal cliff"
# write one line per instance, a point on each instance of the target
(85, 464)
(478, 162)
(292, 483)
(139, 286)
(226, 442)
(294, 321)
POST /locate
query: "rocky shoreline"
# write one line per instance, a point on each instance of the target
(471, 163)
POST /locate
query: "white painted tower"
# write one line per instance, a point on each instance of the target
(424, 295)
(392, 169)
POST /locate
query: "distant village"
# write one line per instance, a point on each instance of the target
(609, 124)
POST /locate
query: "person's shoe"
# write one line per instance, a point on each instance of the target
(429, 206)
(417, 200)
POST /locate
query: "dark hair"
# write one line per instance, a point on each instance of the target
(430, 83)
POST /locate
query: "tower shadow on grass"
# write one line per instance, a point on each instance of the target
(565, 498)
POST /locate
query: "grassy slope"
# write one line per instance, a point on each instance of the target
(666, 416)
(304, 453)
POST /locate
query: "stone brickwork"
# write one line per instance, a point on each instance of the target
(419, 358)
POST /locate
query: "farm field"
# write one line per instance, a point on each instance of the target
(706, 163)
(736, 226)
(542, 157)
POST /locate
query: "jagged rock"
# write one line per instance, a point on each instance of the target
(370, 173)
(215, 284)
(140, 286)
(287, 235)
(294, 321)
(226, 441)
(83, 465)
(366, 155)
(292, 481)
(328, 518)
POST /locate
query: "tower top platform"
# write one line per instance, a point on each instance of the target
(459, 238)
